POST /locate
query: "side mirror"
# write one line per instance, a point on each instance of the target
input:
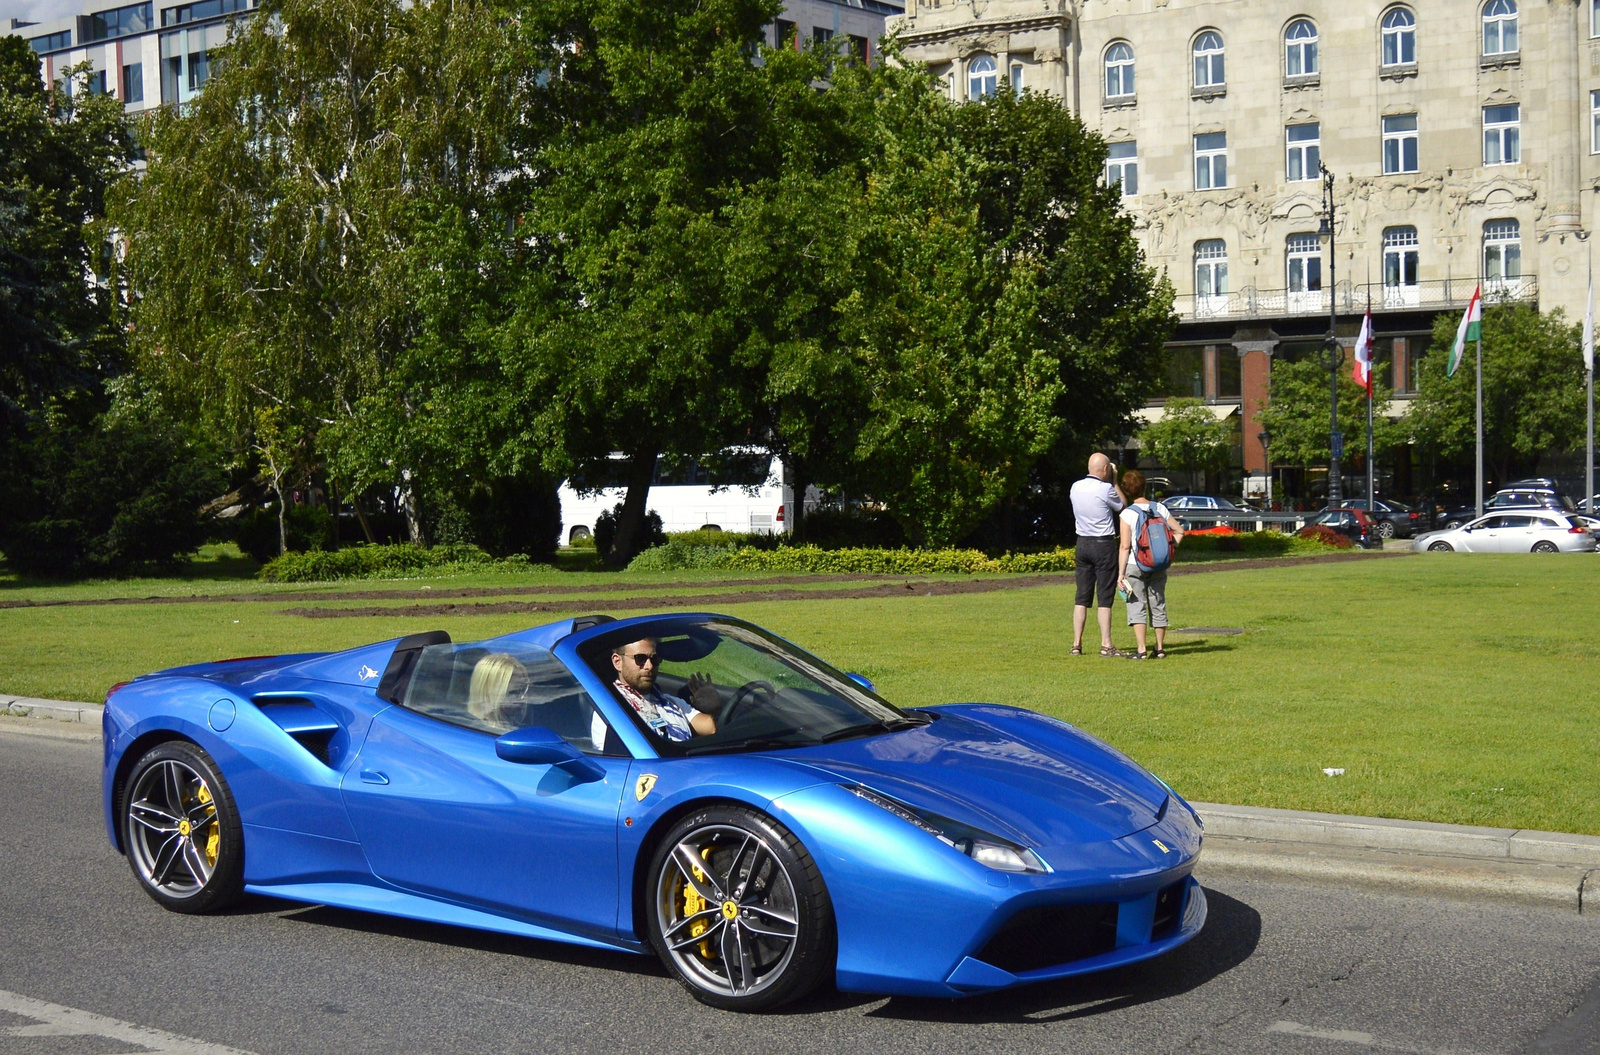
(862, 681)
(536, 745)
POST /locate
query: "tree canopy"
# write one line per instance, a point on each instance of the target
(1297, 415)
(1188, 437)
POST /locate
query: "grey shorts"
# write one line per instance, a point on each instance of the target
(1147, 597)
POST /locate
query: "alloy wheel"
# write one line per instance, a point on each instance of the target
(173, 835)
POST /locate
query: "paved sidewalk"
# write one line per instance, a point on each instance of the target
(1504, 864)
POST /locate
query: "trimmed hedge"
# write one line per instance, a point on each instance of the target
(384, 562)
(678, 554)
(1250, 544)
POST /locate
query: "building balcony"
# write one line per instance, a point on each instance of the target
(1352, 298)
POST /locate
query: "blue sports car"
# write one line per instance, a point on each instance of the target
(688, 785)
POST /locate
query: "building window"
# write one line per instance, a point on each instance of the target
(1016, 76)
(1300, 48)
(121, 22)
(1400, 37)
(860, 50)
(1208, 70)
(1305, 151)
(1502, 251)
(1304, 253)
(1400, 267)
(1499, 27)
(1210, 160)
(1501, 135)
(1400, 143)
(1594, 18)
(1122, 166)
(1119, 71)
(1211, 268)
(982, 80)
(785, 34)
(203, 9)
(133, 83)
(52, 42)
(1594, 122)
(821, 38)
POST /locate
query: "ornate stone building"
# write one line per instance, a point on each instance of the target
(1464, 140)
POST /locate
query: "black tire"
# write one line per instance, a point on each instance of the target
(1451, 525)
(578, 532)
(1545, 546)
(175, 797)
(1385, 529)
(1441, 547)
(758, 867)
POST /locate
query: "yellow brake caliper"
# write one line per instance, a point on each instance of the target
(213, 837)
(693, 903)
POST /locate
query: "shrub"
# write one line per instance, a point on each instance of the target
(858, 560)
(605, 531)
(833, 528)
(255, 531)
(381, 562)
(103, 497)
(1326, 536)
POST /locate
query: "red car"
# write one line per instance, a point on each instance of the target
(1354, 524)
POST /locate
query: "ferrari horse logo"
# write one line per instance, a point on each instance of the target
(366, 673)
(643, 786)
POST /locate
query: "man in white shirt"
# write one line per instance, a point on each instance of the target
(1096, 501)
(670, 718)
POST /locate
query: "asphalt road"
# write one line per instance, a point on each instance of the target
(90, 966)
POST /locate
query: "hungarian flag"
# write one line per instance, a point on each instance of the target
(1471, 329)
(1362, 371)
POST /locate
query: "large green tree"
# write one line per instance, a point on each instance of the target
(1533, 390)
(290, 236)
(1297, 415)
(1188, 437)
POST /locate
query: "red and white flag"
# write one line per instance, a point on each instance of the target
(1362, 370)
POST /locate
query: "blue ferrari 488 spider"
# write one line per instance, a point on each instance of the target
(690, 785)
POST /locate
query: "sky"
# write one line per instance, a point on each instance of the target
(37, 10)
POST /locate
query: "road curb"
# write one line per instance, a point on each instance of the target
(1512, 864)
(57, 710)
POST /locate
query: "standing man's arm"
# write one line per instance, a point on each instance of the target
(1120, 500)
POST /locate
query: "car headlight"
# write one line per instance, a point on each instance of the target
(987, 849)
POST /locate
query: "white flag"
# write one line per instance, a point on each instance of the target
(1588, 331)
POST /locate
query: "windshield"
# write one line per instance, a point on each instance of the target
(760, 693)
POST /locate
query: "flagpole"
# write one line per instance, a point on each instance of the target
(1370, 476)
(1478, 481)
(1588, 363)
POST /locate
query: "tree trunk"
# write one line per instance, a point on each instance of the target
(630, 525)
(408, 506)
(361, 516)
(283, 515)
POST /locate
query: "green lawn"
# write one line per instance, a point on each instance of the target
(1449, 688)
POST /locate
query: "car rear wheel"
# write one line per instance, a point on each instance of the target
(1385, 529)
(1451, 525)
(738, 911)
(1546, 547)
(1441, 547)
(181, 830)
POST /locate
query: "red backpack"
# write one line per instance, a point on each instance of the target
(1152, 540)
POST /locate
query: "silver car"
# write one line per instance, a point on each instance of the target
(1523, 531)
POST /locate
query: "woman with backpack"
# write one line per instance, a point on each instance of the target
(1150, 537)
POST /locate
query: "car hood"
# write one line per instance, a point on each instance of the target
(1033, 779)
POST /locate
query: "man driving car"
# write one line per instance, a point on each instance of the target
(669, 717)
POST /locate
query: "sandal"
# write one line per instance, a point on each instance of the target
(1138, 655)
(1112, 653)
(1161, 653)
(1076, 650)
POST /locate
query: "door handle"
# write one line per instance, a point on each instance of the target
(372, 776)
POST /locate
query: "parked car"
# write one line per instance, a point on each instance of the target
(1589, 506)
(1192, 510)
(1509, 498)
(1592, 523)
(1524, 531)
(1393, 519)
(1353, 524)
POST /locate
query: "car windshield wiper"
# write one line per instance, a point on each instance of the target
(760, 743)
(887, 725)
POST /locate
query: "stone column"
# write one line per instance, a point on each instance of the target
(1255, 370)
(1564, 115)
(1208, 380)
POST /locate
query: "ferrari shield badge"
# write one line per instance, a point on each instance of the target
(642, 787)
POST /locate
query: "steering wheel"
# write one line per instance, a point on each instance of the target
(753, 693)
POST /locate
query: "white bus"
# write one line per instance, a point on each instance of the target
(740, 490)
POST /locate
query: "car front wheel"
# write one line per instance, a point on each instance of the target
(1546, 547)
(181, 830)
(1441, 547)
(1385, 529)
(738, 911)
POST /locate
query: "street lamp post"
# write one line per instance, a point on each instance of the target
(1335, 353)
(1266, 455)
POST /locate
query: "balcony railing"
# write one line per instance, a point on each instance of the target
(1352, 298)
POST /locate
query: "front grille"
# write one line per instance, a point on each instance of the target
(1169, 910)
(1052, 934)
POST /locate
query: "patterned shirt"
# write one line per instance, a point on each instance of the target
(667, 716)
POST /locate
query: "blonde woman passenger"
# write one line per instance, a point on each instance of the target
(490, 687)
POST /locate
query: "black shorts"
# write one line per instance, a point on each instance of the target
(1095, 565)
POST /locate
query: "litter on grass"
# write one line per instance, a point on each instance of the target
(1334, 772)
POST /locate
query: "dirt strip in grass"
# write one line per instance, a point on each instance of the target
(897, 588)
(429, 593)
